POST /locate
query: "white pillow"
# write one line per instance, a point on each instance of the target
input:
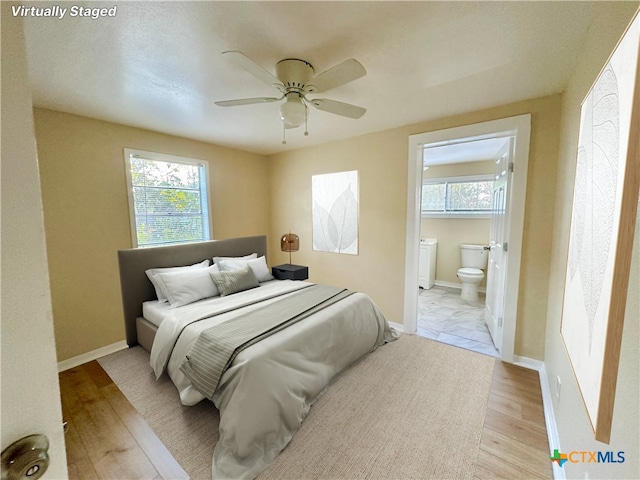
(152, 272)
(226, 264)
(188, 286)
(260, 269)
(258, 265)
(246, 257)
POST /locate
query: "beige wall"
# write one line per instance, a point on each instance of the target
(381, 159)
(30, 391)
(378, 269)
(573, 425)
(86, 214)
(451, 232)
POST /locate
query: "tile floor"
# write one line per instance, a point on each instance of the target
(445, 317)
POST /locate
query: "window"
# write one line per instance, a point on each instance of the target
(457, 196)
(168, 199)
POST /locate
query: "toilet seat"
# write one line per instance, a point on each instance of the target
(471, 271)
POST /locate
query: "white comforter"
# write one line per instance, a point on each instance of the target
(268, 390)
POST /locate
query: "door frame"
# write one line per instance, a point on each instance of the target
(518, 126)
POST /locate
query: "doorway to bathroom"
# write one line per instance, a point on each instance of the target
(463, 190)
(454, 164)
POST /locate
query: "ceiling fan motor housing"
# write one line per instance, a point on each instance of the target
(295, 74)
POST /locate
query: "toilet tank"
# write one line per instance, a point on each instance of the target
(473, 256)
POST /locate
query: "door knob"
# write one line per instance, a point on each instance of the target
(26, 459)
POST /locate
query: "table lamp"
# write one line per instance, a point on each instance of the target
(290, 243)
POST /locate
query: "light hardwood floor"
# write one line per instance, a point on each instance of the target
(514, 441)
(107, 439)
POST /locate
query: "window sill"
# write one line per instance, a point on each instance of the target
(477, 216)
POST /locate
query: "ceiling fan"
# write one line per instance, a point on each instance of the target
(295, 80)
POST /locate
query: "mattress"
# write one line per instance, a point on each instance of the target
(155, 311)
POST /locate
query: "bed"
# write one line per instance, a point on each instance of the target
(266, 387)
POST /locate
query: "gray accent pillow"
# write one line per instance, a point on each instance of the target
(234, 281)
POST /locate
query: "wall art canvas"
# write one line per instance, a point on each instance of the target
(335, 212)
(600, 241)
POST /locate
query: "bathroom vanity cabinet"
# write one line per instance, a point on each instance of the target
(427, 262)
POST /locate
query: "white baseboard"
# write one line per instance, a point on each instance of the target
(550, 420)
(547, 404)
(90, 356)
(442, 283)
(397, 326)
(527, 362)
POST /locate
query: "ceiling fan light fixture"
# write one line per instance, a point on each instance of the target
(296, 79)
(293, 112)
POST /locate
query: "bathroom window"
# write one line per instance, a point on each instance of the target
(457, 197)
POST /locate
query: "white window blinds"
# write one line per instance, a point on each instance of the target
(168, 199)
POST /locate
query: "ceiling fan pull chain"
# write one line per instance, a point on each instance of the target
(306, 117)
(284, 134)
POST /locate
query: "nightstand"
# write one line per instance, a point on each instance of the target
(287, 271)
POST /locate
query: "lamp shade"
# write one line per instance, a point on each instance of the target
(293, 111)
(290, 242)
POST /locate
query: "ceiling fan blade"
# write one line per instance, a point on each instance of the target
(338, 108)
(337, 75)
(252, 67)
(246, 101)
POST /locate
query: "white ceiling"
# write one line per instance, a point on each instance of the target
(158, 65)
(464, 151)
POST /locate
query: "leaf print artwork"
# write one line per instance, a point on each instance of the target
(321, 239)
(595, 192)
(603, 213)
(335, 212)
(343, 231)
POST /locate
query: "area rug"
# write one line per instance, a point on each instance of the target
(412, 409)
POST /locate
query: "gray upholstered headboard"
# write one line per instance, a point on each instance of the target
(136, 287)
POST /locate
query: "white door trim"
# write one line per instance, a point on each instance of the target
(520, 126)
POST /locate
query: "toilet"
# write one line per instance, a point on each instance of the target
(473, 259)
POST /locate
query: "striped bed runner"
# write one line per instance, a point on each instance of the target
(216, 347)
